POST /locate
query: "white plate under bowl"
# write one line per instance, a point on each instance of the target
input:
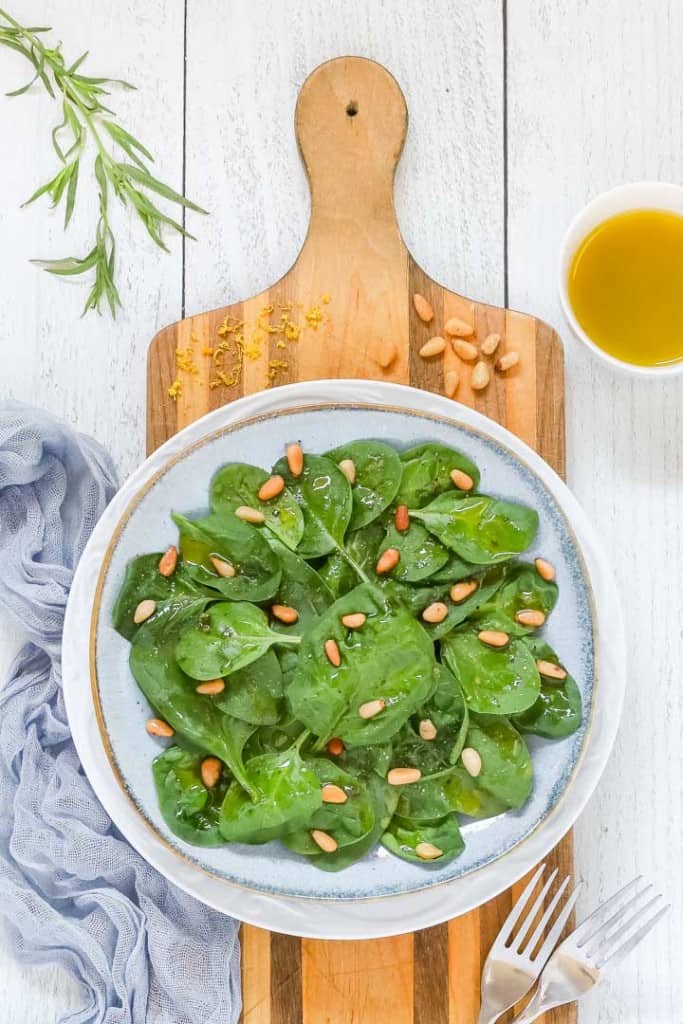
(268, 885)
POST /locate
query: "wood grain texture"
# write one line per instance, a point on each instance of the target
(350, 123)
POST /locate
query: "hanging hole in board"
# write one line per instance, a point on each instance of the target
(352, 108)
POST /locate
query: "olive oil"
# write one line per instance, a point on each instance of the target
(626, 287)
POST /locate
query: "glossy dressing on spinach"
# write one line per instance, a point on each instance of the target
(284, 699)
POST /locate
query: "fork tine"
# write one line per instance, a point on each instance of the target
(602, 930)
(607, 905)
(553, 935)
(605, 940)
(617, 955)
(547, 914)
(529, 919)
(515, 913)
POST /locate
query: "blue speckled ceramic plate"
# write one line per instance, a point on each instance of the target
(254, 430)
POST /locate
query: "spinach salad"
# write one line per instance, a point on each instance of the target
(346, 652)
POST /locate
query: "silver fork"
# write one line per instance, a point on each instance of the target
(594, 949)
(511, 968)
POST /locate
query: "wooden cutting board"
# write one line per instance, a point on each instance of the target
(342, 310)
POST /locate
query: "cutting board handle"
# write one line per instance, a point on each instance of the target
(351, 122)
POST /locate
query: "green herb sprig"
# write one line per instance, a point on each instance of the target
(84, 117)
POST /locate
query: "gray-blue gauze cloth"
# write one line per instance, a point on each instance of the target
(72, 891)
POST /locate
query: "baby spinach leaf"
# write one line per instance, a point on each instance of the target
(301, 587)
(189, 809)
(346, 823)
(227, 637)
(494, 681)
(254, 693)
(403, 836)
(558, 710)
(271, 738)
(286, 794)
(454, 570)
(447, 710)
(363, 761)
(523, 589)
(238, 484)
(479, 529)
(506, 769)
(384, 798)
(363, 548)
(172, 695)
(489, 583)
(389, 658)
(378, 475)
(427, 472)
(451, 790)
(258, 569)
(420, 553)
(178, 598)
(324, 495)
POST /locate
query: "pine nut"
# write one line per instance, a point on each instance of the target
(324, 840)
(385, 353)
(490, 344)
(427, 729)
(223, 568)
(295, 458)
(273, 486)
(433, 347)
(403, 776)
(461, 591)
(335, 746)
(458, 328)
(354, 620)
(388, 560)
(348, 468)
(550, 670)
(427, 851)
(481, 375)
(211, 688)
(156, 727)
(283, 613)
(451, 381)
(463, 481)
(507, 361)
(169, 561)
(401, 518)
(471, 761)
(332, 652)
(250, 515)
(465, 349)
(332, 794)
(143, 611)
(530, 617)
(545, 569)
(210, 771)
(435, 612)
(371, 708)
(423, 308)
(493, 637)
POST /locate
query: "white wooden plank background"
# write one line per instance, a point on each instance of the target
(593, 98)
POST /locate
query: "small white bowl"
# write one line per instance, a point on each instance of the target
(640, 195)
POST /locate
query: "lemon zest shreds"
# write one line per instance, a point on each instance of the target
(185, 360)
(314, 316)
(326, 299)
(175, 389)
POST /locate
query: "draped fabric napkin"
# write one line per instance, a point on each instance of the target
(72, 891)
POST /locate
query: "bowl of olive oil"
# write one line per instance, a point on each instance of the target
(621, 277)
